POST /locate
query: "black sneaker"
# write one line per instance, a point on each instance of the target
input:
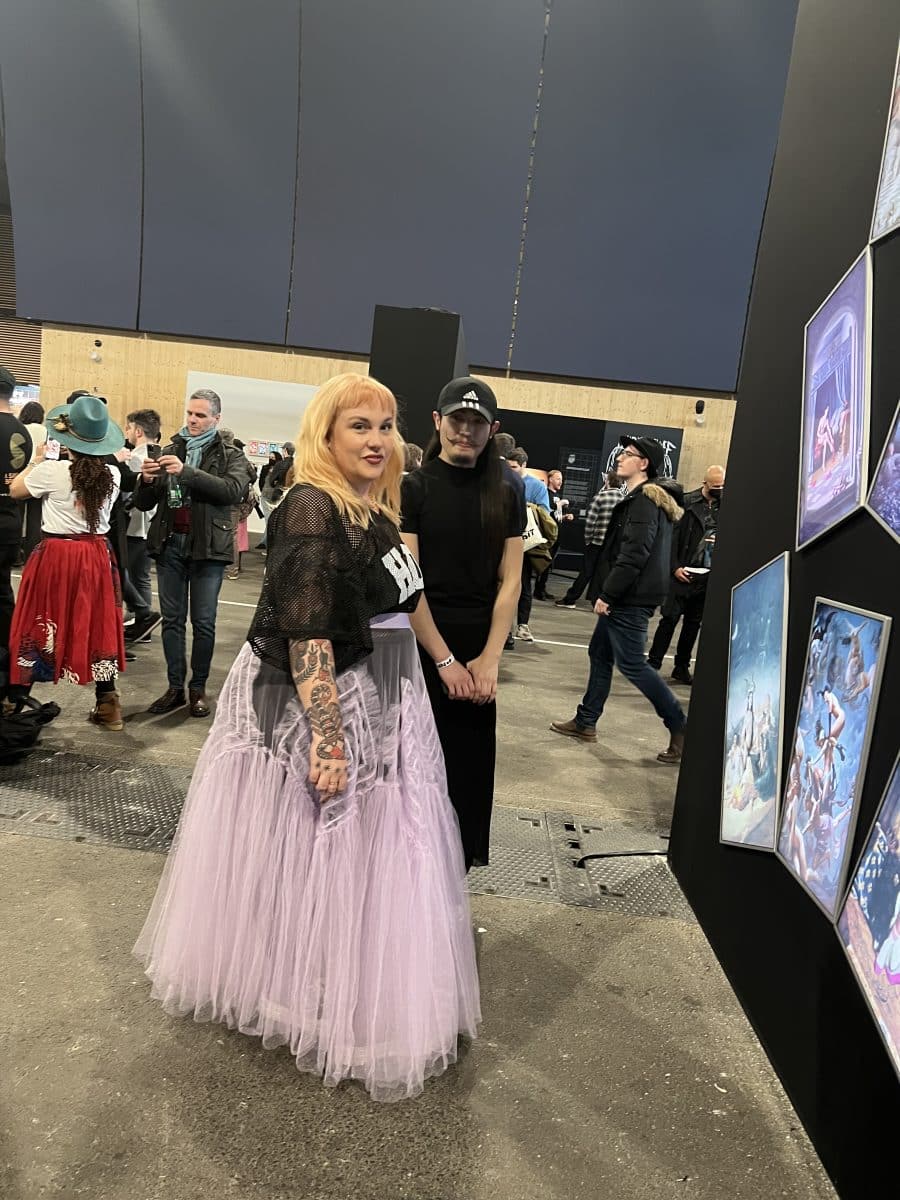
(143, 627)
(510, 643)
(564, 603)
(682, 675)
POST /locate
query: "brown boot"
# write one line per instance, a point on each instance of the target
(573, 730)
(675, 750)
(107, 712)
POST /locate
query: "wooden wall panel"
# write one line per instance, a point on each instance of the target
(142, 370)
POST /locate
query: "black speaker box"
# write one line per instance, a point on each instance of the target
(415, 351)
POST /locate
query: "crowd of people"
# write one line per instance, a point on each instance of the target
(354, 739)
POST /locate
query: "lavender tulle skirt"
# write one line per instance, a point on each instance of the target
(340, 930)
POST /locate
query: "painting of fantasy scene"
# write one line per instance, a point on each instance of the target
(834, 443)
(869, 925)
(830, 746)
(754, 707)
(887, 199)
(884, 498)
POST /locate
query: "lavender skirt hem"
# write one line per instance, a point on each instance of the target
(340, 930)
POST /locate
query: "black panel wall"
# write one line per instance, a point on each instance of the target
(71, 95)
(657, 130)
(781, 954)
(221, 81)
(414, 154)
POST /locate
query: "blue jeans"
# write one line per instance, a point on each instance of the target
(184, 581)
(621, 639)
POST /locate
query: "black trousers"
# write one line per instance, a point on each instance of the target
(688, 607)
(468, 734)
(585, 575)
(7, 599)
(526, 595)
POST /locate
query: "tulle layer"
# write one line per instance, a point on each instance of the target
(343, 930)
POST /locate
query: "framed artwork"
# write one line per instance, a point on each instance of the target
(754, 707)
(834, 442)
(869, 924)
(883, 501)
(886, 215)
(844, 660)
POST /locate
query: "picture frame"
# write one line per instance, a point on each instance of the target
(845, 656)
(834, 441)
(869, 922)
(883, 500)
(886, 210)
(754, 707)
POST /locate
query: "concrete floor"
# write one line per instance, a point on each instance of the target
(613, 1061)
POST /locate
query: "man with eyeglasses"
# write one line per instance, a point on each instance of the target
(692, 552)
(631, 579)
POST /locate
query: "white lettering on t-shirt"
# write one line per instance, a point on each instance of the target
(405, 571)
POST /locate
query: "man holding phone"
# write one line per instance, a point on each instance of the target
(193, 487)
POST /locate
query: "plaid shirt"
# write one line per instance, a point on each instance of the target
(598, 514)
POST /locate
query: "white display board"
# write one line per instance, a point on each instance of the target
(260, 412)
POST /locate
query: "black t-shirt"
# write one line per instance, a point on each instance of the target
(15, 453)
(327, 578)
(442, 505)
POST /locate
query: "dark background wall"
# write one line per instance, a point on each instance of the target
(161, 180)
(781, 954)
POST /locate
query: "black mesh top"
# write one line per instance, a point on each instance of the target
(327, 578)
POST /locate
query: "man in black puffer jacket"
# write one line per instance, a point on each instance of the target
(631, 580)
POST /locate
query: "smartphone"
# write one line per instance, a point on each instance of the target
(53, 448)
(153, 451)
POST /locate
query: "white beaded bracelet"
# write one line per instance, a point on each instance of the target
(446, 663)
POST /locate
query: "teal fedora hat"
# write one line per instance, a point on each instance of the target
(84, 426)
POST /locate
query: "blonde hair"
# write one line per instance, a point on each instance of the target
(314, 463)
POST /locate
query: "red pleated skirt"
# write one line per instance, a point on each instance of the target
(67, 622)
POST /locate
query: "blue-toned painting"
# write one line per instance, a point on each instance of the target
(869, 924)
(835, 422)
(830, 746)
(884, 498)
(754, 707)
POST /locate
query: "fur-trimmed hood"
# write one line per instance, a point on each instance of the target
(663, 500)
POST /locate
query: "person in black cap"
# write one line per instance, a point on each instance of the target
(631, 579)
(463, 518)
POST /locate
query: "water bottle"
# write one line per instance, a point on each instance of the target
(174, 497)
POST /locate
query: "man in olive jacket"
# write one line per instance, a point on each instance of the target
(194, 486)
(631, 579)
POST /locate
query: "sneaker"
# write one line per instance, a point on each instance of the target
(129, 620)
(574, 730)
(682, 675)
(524, 634)
(546, 596)
(142, 627)
(564, 603)
(510, 643)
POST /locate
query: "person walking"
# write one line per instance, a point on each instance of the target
(194, 486)
(463, 520)
(692, 553)
(595, 527)
(315, 894)
(68, 618)
(536, 494)
(630, 581)
(559, 507)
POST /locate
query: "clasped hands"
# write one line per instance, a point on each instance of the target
(476, 681)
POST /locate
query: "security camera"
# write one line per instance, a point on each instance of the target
(699, 407)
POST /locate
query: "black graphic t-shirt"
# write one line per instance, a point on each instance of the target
(442, 505)
(327, 578)
(15, 454)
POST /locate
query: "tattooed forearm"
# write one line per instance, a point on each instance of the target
(310, 659)
(313, 674)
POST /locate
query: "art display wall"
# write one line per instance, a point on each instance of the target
(791, 863)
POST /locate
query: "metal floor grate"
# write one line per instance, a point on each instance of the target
(536, 855)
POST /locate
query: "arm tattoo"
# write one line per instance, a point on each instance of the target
(313, 674)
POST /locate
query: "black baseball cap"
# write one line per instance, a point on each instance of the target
(7, 380)
(468, 392)
(648, 448)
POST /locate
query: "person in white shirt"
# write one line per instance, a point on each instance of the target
(68, 618)
(142, 429)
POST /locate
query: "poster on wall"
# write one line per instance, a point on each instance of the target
(671, 442)
(883, 501)
(828, 752)
(869, 924)
(886, 214)
(834, 442)
(754, 707)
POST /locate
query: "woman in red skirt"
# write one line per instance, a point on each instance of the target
(68, 618)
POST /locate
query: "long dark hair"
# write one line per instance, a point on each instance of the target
(496, 494)
(92, 483)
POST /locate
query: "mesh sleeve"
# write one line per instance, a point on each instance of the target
(410, 502)
(313, 586)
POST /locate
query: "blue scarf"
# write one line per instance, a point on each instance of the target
(196, 445)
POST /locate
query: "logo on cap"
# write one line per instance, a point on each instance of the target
(471, 395)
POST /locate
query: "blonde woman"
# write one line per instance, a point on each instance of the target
(314, 896)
